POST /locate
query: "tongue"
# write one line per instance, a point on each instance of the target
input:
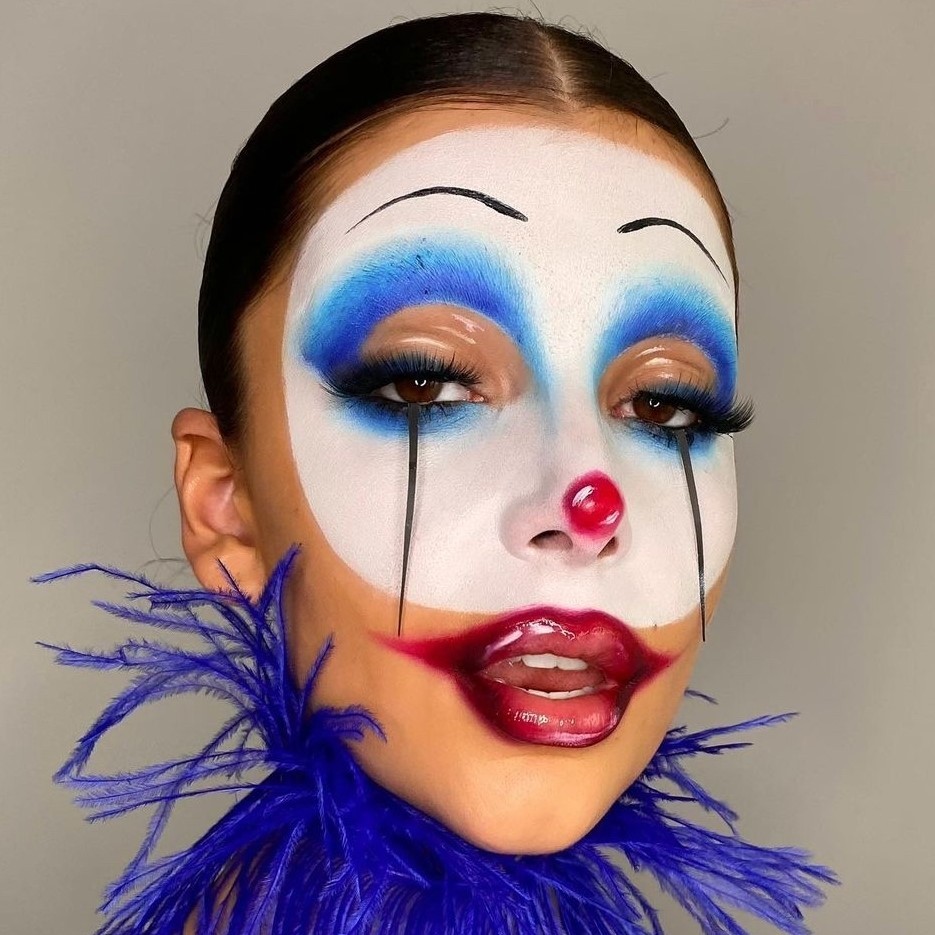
(515, 672)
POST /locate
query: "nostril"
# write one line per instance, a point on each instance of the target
(553, 540)
(610, 548)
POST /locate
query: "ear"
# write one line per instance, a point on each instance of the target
(217, 517)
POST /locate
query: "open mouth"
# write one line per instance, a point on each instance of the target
(545, 675)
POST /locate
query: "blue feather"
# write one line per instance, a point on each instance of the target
(318, 847)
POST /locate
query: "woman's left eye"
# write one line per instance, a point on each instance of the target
(649, 408)
(424, 390)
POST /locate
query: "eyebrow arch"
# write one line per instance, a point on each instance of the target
(640, 223)
(488, 200)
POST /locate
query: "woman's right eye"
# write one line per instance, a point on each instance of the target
(393, 382)
(424, 390)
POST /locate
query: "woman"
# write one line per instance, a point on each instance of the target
(468, 336)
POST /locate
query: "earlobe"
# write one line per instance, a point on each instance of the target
(216, 514)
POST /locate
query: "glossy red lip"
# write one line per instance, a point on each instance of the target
(603, 663)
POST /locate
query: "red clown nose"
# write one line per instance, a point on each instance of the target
(593, 505)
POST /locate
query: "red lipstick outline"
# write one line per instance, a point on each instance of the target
(603, 641)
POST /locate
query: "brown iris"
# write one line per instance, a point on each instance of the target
(417, 390)
(652, 409)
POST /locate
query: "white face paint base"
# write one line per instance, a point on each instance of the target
(496, 479)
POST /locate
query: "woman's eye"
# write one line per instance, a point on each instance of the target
(649, 408)
(423, 390)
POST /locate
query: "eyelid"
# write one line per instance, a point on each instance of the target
(680, 383)
(456, 334)
(657, 359)
(663, 307)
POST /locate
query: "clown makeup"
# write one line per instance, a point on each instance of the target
(546, 314)
(533, 302)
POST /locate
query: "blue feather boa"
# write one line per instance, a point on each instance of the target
(318, 847)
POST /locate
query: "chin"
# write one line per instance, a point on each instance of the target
(528, 802)
(517, 824)
(547, 839)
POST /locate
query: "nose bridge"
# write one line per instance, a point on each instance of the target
(572, 509)
(576, 434)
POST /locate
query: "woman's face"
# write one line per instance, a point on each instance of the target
(485, 263)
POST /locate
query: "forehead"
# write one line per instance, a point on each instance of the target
(402, 132)
(572, 188)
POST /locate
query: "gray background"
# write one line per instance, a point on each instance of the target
(118, 122)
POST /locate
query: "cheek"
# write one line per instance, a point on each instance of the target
(660, 569)
(353, 468)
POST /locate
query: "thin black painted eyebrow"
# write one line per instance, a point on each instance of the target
(488, 200)
(640, 223)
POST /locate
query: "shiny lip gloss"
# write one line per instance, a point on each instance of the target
(580, 671)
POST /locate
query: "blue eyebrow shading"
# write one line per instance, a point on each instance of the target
(672, 307)
(429, 269)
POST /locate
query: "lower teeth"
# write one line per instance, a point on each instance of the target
(558, 696)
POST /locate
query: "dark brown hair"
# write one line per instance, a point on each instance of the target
(489, 58)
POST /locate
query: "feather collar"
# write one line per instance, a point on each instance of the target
(318, 847)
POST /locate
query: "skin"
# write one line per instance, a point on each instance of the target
(246, 505)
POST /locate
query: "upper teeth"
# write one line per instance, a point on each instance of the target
(551, 661)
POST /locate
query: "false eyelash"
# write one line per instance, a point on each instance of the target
(715, 416)
(358, 383)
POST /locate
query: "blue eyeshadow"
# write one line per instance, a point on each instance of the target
(448, 269)
(381, 420)
(702, 445)
(678, 308)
